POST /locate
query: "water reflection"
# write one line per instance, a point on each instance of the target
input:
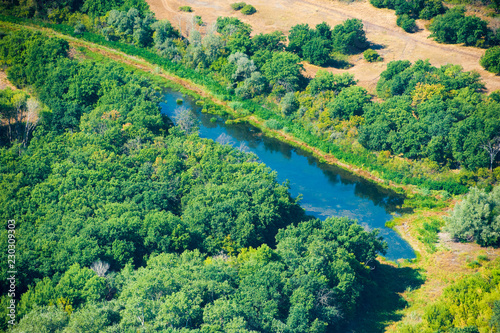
(326, 190)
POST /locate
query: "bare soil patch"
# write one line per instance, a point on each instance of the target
(391, 41)
(4, 82)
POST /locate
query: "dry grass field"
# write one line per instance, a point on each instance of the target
(380, 24)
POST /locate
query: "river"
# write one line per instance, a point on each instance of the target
(326, 190)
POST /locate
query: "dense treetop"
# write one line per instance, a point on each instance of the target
(420, 94)
(455, 27)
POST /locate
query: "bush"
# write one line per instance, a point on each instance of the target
(238, 5)
(349, 102)
(326, 81)
(428, 234)
(289, 104)
(198, 20)
(477, 218)
(317, 51)
(79, 28)
(407, 23)
(371, 55)
(491, 60)
(349, 37)
(377, 3)
(424, 9)
(438, 316)
(455, 27)
(432, 8)
(187, 9)
(273, 124)
(248, 10)
(495, 318)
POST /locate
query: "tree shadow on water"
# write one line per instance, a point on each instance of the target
(382, 302)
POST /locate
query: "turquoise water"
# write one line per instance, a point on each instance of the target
(326, 190)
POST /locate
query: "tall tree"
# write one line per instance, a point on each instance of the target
(283, 70)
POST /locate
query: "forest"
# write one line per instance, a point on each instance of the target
(128, 223)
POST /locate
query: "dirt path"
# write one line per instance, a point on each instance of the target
(380, 25)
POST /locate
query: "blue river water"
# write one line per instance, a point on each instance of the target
(326, 190)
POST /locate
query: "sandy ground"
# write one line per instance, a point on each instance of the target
(4, 82)
(391, 41)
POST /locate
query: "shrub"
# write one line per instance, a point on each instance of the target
(407, 23)
(248, 10)
(428, 234)
(482, 257)
(477, 218)
(187, 9)
(425, 9)
(289, 104)
(273, 124)
(238, 5)
(495, 318)
(324, 81)
(79, 28)
(454, 27)
(438, 316)
(377, 3)
(349, 37)
(317, 51)
(432, 8)
(349, 102)
(198, 20)
(491, 60)
(371, 55)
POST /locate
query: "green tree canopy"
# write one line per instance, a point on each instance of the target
(491, 60)
(284, 70)
(476, 218)
(326, 81)
(349, 37)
